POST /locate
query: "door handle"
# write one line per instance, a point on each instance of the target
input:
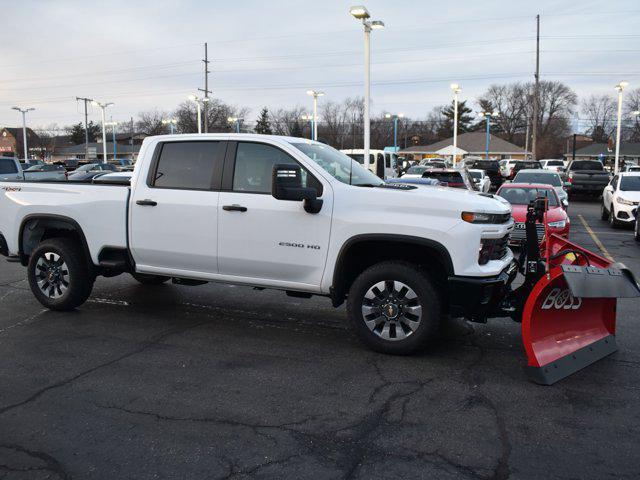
(234, 208)
(146, 202)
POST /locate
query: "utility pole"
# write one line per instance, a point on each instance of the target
(536, 92)
(206, 87)
(526, 141)
(573, 150)
(86, 125)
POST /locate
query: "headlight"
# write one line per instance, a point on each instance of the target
(477, 217)
(624, 202)
(560, 224)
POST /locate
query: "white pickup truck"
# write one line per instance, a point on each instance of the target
(271, 212)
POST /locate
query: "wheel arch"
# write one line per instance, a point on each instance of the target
(362, 251)
(37, 227)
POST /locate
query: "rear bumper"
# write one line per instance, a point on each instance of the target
(474, 298)
(586, 187)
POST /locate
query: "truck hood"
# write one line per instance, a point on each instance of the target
(434, 198)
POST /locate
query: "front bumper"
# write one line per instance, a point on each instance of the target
(474, 298)
(625, 213)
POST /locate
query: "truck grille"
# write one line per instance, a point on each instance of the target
(493, 249)
(519, 232)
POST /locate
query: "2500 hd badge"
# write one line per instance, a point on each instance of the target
(298, 245)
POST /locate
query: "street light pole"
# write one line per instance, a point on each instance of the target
(487, 116)
(113, 125)
(172, 124)
(24, 111)
(360, 12)
(196, 100)
(315, 94)
(235, 120)
(103, 107)
(308, 118)
(619, 87)
(456, 90)
(395, 117)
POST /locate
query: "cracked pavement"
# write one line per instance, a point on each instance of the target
(223, 382)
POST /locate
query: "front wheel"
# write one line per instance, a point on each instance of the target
(636, 230)
(59, 274)
(613, 222)
(604, 214)
(394, 308)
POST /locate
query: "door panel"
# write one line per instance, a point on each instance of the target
(272, 239)
(180, 231)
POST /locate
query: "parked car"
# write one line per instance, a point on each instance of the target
(505, 166)
(552, 164)
(481, 179)
(383, 164)
(96, 167)
(491, 167)
(545, 177)
(10, 169)
(519, 195)
(458, 178)
(518, 165)
(85, 175)
(416, 171)
(632, 168)
(285, 213)
(45, 172)
(586, 176)
(620, 199)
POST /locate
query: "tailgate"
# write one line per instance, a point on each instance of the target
(591, 178)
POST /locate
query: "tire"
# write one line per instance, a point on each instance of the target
(59, 274)
(146, 279)
(613, 223)
(604, 213)
(636, 230)
(412, 299)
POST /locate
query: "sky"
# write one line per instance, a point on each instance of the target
(144, 55)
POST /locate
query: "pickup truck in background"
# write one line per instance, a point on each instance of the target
(586, 177)
(269, 212)
(10, 169)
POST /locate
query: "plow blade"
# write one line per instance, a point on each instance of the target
(569, 318)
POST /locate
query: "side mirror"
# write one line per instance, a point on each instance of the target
(286, 184)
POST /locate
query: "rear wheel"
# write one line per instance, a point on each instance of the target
(147, 279)
(394, 308)
(59, 274)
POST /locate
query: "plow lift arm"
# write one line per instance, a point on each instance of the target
(566, 303)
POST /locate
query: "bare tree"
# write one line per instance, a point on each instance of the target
(600, 113)
(217, 113)
(288, 121)
(510, 103)
(150, 122)
(632, 125)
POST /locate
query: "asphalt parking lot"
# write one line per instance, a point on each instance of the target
(226, 382)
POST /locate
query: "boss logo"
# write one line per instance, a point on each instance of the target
(560, 299)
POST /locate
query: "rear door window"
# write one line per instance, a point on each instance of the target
(186, 165)
(7, 165)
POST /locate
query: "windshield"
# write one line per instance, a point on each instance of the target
(417, 170)
(485, 165)
(630, 184)
(339, 165)
(87, 167)
(554, 163)
(552, 179)
(447, 177)
(590, 165)
(476, 175)
(523, 196)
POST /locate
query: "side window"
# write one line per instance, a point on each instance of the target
(8, 166)
(254, 166)
(186, 165)
(614, 182)
(387, 160)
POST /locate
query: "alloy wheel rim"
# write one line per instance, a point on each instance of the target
(52, 275)
(391, 310)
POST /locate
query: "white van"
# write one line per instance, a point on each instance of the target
(383, 164)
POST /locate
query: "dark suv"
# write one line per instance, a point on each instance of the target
(524, 165)
(491, 167)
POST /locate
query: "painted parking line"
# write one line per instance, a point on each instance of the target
(595, 238)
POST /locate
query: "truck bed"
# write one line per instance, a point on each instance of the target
(100, 209)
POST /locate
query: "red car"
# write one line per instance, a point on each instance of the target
(519, 195)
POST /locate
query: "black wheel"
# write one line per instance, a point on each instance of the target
(613, 223)
(604, 214)
(147, 279)
(636, 230)
(394, 308)
(59, 274)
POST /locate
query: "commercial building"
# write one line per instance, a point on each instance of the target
(12, 144)
(629, 153)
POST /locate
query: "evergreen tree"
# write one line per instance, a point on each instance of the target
(77, 132)
(464, 120)
(263, 125)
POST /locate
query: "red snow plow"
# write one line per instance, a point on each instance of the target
(567, 302)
